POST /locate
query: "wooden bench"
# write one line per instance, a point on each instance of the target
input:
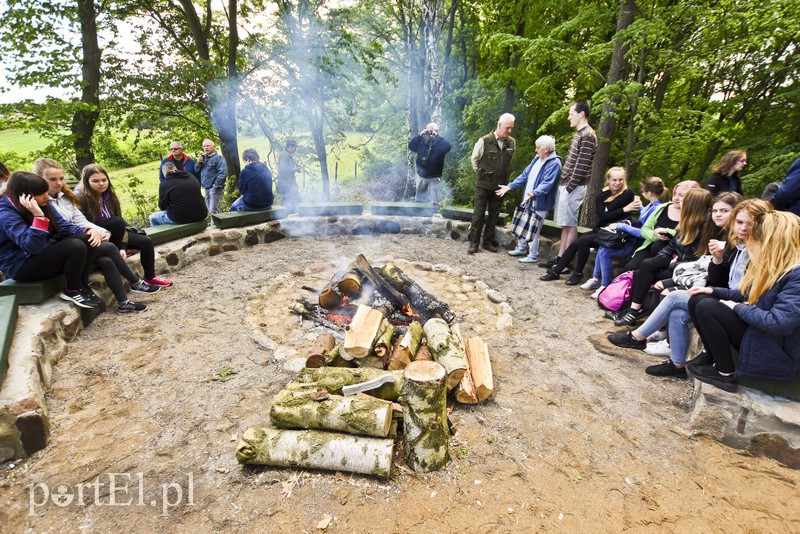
(788, 388)
(170, 232)
(323, 209)
(32, 292)
(8, 323)
(553, 230)
(465, 214)
(403, 209)
(234, 219)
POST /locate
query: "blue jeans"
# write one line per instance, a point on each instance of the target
(160, 217)
(672, 311)
(239, 205)
(213, 196)
(603, 268)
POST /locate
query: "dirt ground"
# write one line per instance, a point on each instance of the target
(574, 441)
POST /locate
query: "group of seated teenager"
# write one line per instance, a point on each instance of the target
(46, 230)
(728, 267)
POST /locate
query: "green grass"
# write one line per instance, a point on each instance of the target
(21, 142)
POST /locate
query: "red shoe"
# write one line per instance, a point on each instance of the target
(156, 281)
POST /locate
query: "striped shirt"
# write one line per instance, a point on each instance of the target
(578, 166)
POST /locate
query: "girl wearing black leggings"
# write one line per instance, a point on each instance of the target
(36, 243)
(101, 206)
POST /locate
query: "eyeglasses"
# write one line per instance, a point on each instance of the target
(177, 148)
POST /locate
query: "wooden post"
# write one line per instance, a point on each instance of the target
(314, 449)
(336, 172)
(355, 171)
(424, 400)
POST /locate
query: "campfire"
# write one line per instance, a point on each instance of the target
(390, 376)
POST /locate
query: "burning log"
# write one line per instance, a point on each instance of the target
(394, 296)
(422, 301)
(361, 332)
(313, 449)
(446, 350)
(300, 309)
(332, 379)
(304, 408)
(424, 400)
(321, 350)
(351, 282)
(406, 348)
(330, 297)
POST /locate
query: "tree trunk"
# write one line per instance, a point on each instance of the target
(313, 449)
(85, 118)
(446, 350)
(332, 379)
(293, 408)
(608, 122)
(424, 403)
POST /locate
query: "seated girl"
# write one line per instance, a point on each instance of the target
(760, 320)
(656, 194)
(725, 270)
(681, 248)
(107, 258)
(36, 243)
(613, 203)
(101, 206)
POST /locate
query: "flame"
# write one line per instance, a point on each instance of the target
(340, 319)
(345, 298)
(409, 311)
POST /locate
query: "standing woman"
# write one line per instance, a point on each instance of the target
(539, 178)
(760, 320)
(725, 174)
(36, 243)
(101, 206)
(613, 203)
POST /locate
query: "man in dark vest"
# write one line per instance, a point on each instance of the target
(491, 159)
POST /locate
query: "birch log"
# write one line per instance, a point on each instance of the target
(314, 449)
(322, 348)
(447, 350)
(406, 349)
(424, 403)
(333, 378)
(300, 409)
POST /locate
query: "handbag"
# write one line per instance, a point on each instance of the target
(608, 238)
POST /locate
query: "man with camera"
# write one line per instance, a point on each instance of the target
(431, 150)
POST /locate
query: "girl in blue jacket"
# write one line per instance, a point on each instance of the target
(761, 319)
(36, 243)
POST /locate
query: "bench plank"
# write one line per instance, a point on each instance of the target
(33, 292)
(322, 209)
(169, 232)
(234, 219)
(465, 214)
(8, 324)
(403, 209)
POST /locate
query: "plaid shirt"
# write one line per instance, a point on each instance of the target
(578, 166)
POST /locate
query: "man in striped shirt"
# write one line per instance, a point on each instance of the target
(575, 176)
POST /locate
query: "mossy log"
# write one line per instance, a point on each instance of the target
(424, 403)
(406, 348)
(332, 379)
(383, 341)
(301, 409)
(421, 301)
(446, 349)
(314, 449)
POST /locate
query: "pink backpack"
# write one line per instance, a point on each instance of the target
(617, 293)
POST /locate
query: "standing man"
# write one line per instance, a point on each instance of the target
(787, 197)
(287, 183)
(213, 172)
(431, 150)
(181, 161)
(574, 178)
(255, 184)
(491, 159)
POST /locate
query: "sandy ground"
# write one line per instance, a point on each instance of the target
(575, 440)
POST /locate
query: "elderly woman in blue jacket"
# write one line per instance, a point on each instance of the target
(761, 319)
(539, 179)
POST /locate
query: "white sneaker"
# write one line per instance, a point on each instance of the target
(598, 291)
(659, 348)
(658, 335)
(590, 284)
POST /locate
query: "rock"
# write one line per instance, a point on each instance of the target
(294, 365)
(214, 250)
(282, 353)
(440, 268)
(504, 321)
(496, 296)
(763, 424)
(456, 271)
(480, 284)
(506, 307)
(467, 288)
(423, 265)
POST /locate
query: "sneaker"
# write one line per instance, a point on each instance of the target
(473, 248)
(491, 247)
(549, 276)
(517, 252)
(667, 369)
(629, 318)
(130, 306)
(590, 284)
(575, 279)
(626, 340)
(78, 298)
(710, 375)
(143, 287)
(703, 358)
(658, 335)
(156, 281)
(614, 315)
(548, 264)
(90, 295)
(659, 348)
(528, 259)
(597, 292)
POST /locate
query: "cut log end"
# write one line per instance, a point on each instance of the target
(424, 371)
